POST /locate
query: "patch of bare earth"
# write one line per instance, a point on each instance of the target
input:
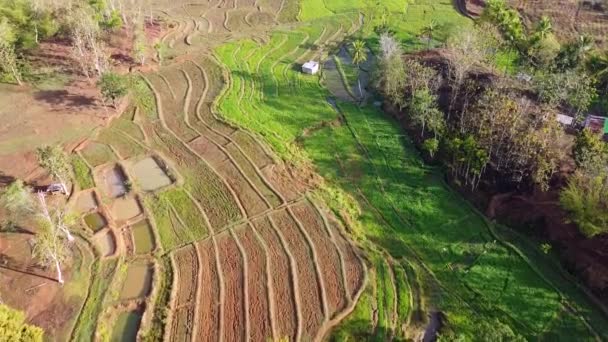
(233, 277)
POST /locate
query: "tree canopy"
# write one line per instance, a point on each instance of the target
(14, 329)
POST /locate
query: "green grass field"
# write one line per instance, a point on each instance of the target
(406, 209)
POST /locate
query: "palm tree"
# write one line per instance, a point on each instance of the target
(359, 56)
(544, 27)
(428, 31)
(584, 44)
(598, 66)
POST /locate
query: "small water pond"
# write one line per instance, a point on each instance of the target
(143, 238)
(114, 180)
(106, 243)
(86, 202)
(126, 327)
(95, 221)
(125, 208)
(150, 175)
(138, 281)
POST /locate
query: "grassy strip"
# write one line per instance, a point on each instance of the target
(82, 173)
(403, 296)
(100, 282)
(358, 325)
(289, 12)
(98, 154)
(161, 306)
(385, 297)
(170, 209)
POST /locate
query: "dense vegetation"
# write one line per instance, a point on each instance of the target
(14, 328)
(498, 123)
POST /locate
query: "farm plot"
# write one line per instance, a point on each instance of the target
(209, 302)
(185, 286)
(234, 315)
(259, 311)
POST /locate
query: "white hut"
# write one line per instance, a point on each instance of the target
(310, 67)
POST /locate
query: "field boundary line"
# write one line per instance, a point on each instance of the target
(269, 282)
(188, 97)
(220, 273)
(245, 259)
(294, 278)
(172, 299)
(168, 84)
(197, 300)
(201, 210)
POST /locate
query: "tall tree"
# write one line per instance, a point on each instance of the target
(16, 198)
(391, 74)
(112, 86)
(8, 62)
(50, 245)
(56, 163)
(598, 66)
(359, 56)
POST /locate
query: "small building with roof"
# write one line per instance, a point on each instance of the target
(310, 67)
(598, 125)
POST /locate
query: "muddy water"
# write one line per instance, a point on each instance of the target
(126, 327)
(138, 281)
(149, 175)
(125, 208)
(114, 180)
(86, 202)
(143, 237)
(106, 244)
(95, 221)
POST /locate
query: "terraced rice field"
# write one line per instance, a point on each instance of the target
(255, 250)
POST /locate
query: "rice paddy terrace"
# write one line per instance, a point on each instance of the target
(210, 225)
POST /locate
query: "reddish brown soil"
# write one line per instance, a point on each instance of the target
(310, 289)
(329, 259)
(281, 282)
(234, 301)
(354, 269)
(208, 301)
(186, 261)
(259, 309)
(45, 117)
(33, 289)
